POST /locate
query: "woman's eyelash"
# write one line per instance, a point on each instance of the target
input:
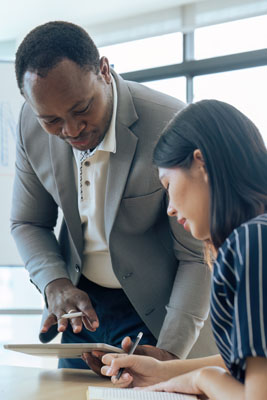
(167, 190)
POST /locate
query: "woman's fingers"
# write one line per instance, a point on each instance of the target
(124, 381)
(108, 358)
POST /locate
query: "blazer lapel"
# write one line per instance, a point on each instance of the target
(63, 170)
(121, 161)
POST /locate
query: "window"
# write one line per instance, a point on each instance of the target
(19, 295)
(231, 37)
(245, 89)
(22, 329)
(16, 291)
(175, 87)
(145, 53)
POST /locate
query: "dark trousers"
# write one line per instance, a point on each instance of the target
(117, 319)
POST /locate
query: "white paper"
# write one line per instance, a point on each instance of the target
(105, 393)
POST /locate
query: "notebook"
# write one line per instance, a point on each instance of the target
(65, 350)
(105, 393)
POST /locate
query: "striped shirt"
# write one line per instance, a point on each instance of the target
(239, 296)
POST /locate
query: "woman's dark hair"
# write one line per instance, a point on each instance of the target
(235, 160)
(48, 44)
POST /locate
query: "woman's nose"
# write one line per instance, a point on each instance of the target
(171, 211)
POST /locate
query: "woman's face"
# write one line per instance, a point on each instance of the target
(189, 198)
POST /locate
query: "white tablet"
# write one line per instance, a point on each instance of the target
(65, 350)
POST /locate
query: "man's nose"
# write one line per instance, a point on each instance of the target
(72, 128)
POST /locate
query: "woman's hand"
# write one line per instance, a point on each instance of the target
(138, 370)
(94, 359)
(187, 383)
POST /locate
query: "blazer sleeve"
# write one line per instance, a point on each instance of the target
(33, 218)
(188, 306)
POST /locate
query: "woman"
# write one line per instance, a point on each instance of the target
(213, 163)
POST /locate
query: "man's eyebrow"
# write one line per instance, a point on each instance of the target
(79, 103)
(71, 109)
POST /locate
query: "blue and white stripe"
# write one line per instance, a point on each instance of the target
(239, 296)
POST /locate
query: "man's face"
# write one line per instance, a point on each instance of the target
(71, 102)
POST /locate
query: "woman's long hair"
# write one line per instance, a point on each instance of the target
(235, 160)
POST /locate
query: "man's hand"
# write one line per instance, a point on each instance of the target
(63, 297)
(147, 350)
(94, 359)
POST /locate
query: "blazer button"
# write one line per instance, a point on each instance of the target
(77, 267)
(127, 275)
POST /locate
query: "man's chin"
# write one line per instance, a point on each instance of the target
(85, 143)
(82, 146)
(79, 147)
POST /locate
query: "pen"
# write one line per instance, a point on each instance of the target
(72, 315)
(134, 345)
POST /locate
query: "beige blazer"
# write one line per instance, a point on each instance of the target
(158, 264)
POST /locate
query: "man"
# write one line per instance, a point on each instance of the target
(85, 145)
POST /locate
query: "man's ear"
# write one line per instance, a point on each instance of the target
(104, 69)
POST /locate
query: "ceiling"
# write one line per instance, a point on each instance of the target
(115, 21)
(17, 17)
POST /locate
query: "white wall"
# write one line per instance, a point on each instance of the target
(10, 103)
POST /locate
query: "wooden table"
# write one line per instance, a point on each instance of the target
(23, 383)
